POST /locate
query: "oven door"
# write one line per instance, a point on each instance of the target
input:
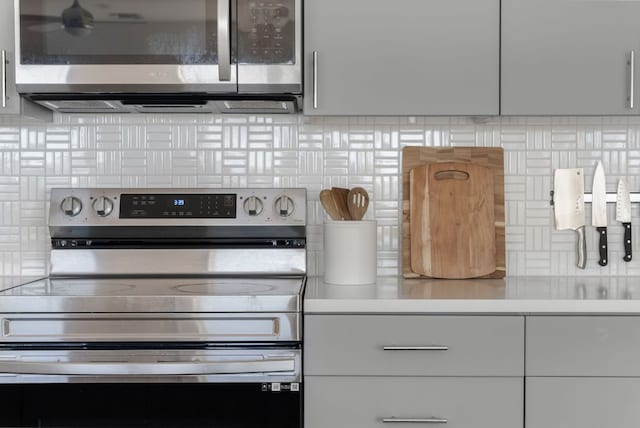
(232, 388)
(150, 46)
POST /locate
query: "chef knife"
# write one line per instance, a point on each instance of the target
(569, 206)
(599, 212)
(623, 215)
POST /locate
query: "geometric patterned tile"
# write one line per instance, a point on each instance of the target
(264, 151)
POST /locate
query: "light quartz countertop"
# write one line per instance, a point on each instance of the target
(7, 282)
(514, 295)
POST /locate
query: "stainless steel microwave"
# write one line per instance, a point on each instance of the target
(160, 55)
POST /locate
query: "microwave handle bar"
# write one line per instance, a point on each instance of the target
(148, 369)
(224, 42)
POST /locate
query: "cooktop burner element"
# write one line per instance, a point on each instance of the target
(208, 288)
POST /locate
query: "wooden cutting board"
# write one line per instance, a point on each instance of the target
(452, 220)
(488, 157)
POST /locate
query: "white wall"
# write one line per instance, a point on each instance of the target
(266, 151)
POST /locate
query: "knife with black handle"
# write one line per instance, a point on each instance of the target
(623, 215)
(602, 245)
(599, 213)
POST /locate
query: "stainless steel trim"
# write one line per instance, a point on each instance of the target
(315, 79)
(3, 60)
(185, 262)
(416, 348)
(224, 41)
(415, 420)
(632, 66)
(148, 369)
(105, 324)
(226, 365)
(119, 78)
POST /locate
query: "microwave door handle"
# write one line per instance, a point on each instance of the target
(147, 369)
(224, 42)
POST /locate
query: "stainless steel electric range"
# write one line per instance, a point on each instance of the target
(164, 307)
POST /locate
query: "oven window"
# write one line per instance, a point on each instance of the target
(149, 405)
(59, 32)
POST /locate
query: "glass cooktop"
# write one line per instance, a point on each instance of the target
(155, 294)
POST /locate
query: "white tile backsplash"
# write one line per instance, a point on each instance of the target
(294, 151)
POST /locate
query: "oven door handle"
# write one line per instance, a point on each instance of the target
(148, 369)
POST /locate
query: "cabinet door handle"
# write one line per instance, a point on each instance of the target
(632, 79)
(224, 45)
(315, 79)
(416, 348)
(3, 58)
(431, 420)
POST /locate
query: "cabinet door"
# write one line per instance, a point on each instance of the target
(9, 99)
(569, 57)
(380, 57)
(377, 402)
(10, 102)
(582, 346)
(582, 402)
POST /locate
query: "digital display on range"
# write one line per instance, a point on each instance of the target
(178, 206)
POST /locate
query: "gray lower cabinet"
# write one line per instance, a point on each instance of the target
(366, 402)
(582, 402)
(569, 57)
(416, 57)
(364, 371)
(582, 372)
(10, 102)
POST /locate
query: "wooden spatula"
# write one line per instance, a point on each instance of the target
(329, 204)
(358, 203)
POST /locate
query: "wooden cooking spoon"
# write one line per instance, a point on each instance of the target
(358, 203)
(341, 196)
(329, 204)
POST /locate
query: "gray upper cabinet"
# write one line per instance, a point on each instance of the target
(415, 57)
(10, 102)
(569, 57)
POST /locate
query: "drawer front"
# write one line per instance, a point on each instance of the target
(366, 402)
(415, 345)
(582, 403)
(583, 346)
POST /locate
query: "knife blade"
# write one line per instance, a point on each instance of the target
(599, 212)
(623, 215)
(569, 207)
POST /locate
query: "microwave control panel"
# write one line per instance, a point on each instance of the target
(267, 35)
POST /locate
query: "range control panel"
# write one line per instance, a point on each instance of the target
(155, 205)
(158, 207)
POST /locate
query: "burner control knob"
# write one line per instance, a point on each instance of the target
(284, 206)
(71, 206)
(253, 206)
(103, 206)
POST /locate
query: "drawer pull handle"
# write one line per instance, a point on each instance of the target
(416, 348)
(431, 420)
